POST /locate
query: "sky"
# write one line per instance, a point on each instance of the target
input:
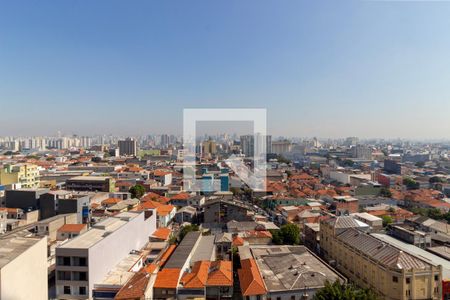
(320, 68)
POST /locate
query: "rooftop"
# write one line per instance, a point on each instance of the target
(291, 267)
(100, 230)
(13, 245)
(121, 273)
(90, 178)
(184, 249)
(424, 255)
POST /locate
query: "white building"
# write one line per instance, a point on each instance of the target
(87, 259)
(23, 267)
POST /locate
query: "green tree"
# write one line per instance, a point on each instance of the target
(290, 234)
(277, 239)
(387, 220)
(137, 191)
(385, 192)
(436, 179)
(186, 229)
(410, 183)
(341, 291)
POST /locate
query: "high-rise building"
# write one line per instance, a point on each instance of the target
(280, 147)
(128, 147)
(362, 152)
(209, 148)
(164, 141)
(25, 174)
(261, 143)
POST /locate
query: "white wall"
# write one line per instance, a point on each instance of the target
(107, 253)
(26, 276)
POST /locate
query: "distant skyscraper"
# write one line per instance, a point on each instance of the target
(128, 147)
(164, 141)
(281, 147)
(209, 148)
(263, 144)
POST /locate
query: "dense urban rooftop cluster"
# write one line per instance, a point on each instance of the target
(115, 218)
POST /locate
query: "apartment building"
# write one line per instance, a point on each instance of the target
(91, 183)
(390, 272)
(23, 267)
(86, 259)
(25, 174)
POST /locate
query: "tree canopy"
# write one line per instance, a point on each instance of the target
(340, 291)
(288, 234)
(186, 229)
(137, 191)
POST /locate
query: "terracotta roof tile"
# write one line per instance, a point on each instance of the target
(162, 233)
(220, 273)
(250, 279)
(167, 278)
(72, 228)
(197, 277)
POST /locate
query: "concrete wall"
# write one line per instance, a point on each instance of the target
(25, 277)
(107, 253)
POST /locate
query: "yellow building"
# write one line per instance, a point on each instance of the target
(25, 174)
(371, 263)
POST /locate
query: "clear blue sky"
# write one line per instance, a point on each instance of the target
(321, 68)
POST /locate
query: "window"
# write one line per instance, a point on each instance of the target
(81, 276)
(63, 275)
(82, 290)
(63, 261)
(436, 277)
(66, 290)
(408, 280)
(80, 261)
(394, 278)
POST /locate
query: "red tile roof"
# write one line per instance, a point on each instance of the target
(167, 279)
(72, 228)
(250, 279)
(238, 241)
(164, 210)
(197, 277)
(162, 233)
(220, 273)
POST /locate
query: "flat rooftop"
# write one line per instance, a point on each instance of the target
(100, 230)
(121, 273)
(89, 178)
(285, 268)
(184, 249)
(13, 245)
(205, 249)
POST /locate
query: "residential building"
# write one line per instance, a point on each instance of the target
(127, 147)
(70, 231)
(64, 202)
(91, 183)
(222, 211)
(258, 142)
(291, 272)
(23, 267)
(86, 259)
(26, 199)
(390, 272)
(25, 174)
